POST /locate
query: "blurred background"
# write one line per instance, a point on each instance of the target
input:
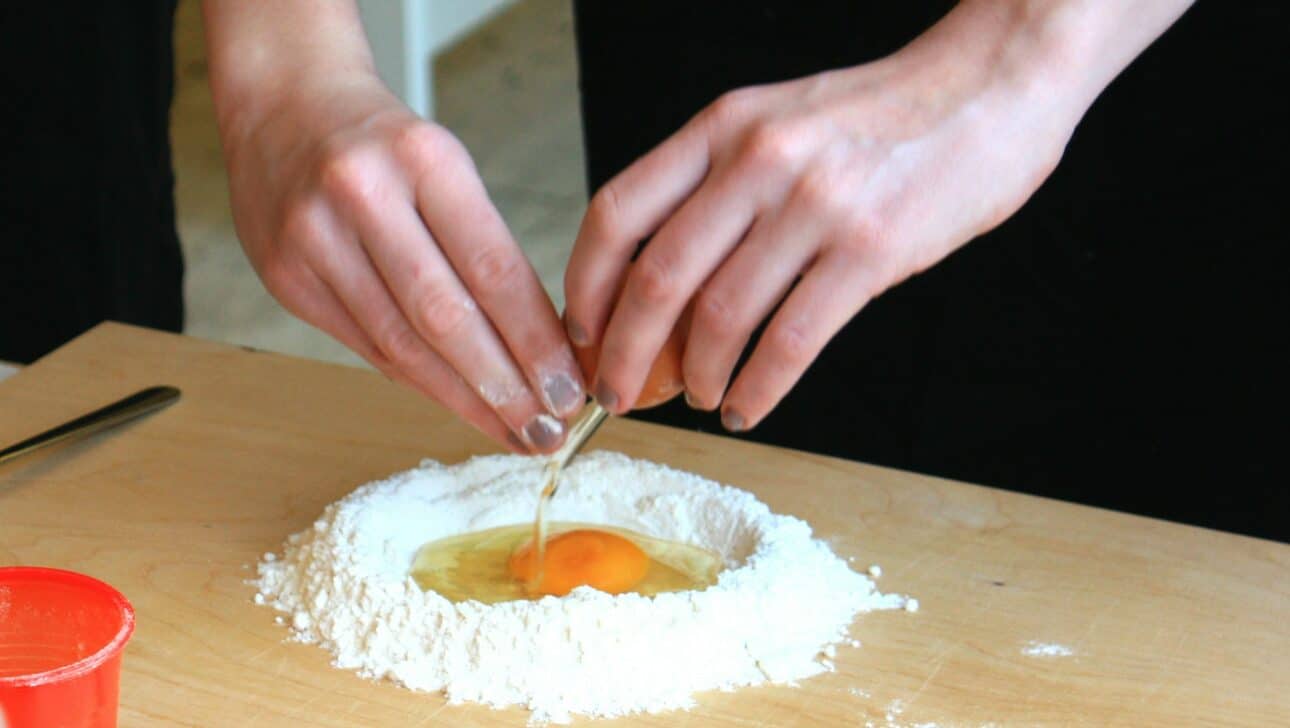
(504, 80)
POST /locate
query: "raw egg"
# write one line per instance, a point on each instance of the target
(582, 557)
(495, 565)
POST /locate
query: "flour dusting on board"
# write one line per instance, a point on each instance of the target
(776, 614)
(1035, 648)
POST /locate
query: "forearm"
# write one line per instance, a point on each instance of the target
(262, 51)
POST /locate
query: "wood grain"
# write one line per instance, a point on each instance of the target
(1170, 625)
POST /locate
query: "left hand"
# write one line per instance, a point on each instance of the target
(802, 201)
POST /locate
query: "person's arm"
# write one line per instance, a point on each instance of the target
(373, 225)
(802, 201)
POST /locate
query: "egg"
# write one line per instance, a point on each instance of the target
(496, 565)
(582, 557)
(664, 380)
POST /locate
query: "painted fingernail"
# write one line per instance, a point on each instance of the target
(544, 431)
(517, 443)
(733, 421)
(577, 334)
(563, 393)
(606, 397)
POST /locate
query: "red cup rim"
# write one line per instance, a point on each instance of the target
(89, 662)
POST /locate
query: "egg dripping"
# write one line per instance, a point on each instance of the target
(529, 561)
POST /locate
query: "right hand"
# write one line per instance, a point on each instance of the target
(373, 225)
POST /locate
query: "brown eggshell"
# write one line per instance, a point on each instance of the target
(664, 381)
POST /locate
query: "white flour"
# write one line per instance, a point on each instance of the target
(1035, 648)
(784, 600)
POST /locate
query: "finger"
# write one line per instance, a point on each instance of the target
(321, 307)
(684, 252)
(487, 259)
(828, 296)
(741, 294)
(349, 274)
(432, 299)
(622, 213)
(442, 311)
(426, 372)
(312, 300)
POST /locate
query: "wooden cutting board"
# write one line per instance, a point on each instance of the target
(1169, 625)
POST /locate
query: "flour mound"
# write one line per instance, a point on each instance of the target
(783, 598)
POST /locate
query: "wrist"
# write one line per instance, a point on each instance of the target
(1058, 52)
(302, 99)
(995, 63)
(1040, 63)
(265, 57)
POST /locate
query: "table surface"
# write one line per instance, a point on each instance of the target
(1169, 625)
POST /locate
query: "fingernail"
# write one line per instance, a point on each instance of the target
(733, 421)
(563, 393)
(544, 431)
(577, 334)
(516, 442)
(690, 400)
(606, 397)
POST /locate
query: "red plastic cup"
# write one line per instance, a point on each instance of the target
(61, 637)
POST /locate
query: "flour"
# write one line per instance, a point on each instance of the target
(891, 719)
(774, 614)
(1034, 648)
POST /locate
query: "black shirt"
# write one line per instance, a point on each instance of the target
(87, 221)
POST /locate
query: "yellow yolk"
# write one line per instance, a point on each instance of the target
(583, 557)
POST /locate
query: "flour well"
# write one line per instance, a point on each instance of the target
(777, 610)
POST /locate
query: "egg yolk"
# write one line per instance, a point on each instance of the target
(583, 557)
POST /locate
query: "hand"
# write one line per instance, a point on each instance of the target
(802, 201)
(374, 226)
